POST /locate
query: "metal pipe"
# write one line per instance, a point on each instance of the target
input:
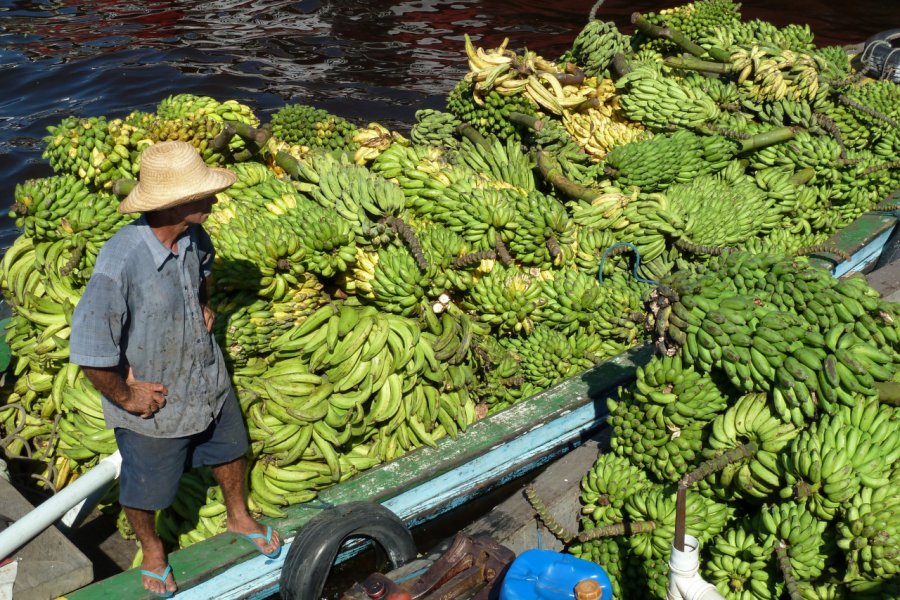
(45, 514)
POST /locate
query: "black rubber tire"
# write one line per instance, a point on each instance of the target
(881, 56)
(312, 553)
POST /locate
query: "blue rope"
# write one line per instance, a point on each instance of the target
(637, 262)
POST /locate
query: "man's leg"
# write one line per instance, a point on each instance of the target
(230, 476)
(151, 470)
(144, 524)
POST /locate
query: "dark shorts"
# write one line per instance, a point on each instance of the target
(152, 467)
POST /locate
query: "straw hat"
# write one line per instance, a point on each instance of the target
(173, 173)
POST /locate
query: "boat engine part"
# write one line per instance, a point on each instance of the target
(881, 56)
(314, 549)
(471, 567)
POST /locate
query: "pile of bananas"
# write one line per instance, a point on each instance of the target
(774, 397)
(377, 292)
(304, 125)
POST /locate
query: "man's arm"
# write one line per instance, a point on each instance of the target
(141, 398)
(209, 317)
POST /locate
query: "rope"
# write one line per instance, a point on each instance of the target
(593, 14)
(637, 262)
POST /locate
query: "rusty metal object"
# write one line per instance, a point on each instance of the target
(470, 565)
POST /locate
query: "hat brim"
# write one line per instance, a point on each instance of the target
(215, 180)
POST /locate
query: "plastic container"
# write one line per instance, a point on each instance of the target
(548, 575)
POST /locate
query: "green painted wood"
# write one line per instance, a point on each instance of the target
(859, 233)
(210, 557)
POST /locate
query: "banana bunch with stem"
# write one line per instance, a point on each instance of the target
(750, 420)
(511, 74)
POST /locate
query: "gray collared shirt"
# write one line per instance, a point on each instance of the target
(141, 308)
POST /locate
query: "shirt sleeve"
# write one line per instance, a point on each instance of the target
(97, 324)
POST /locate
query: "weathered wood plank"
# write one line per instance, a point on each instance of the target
(492, 450)
(863, 240)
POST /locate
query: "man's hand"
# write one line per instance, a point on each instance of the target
(144, 398)
(209, 317)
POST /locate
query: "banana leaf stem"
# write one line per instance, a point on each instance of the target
(667, 33)
(768, 138)
(787, 571)
(526, 120)
(473, 135)
(288, 163)
(695, 64)
(736, 454)
(549, 168)
(616, 529)
(561, 533)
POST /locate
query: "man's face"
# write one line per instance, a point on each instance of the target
(197, 211)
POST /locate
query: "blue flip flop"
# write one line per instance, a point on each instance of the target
(163, 577)
(268, 538)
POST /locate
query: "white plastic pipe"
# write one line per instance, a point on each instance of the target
(46, 513)
(684, 581)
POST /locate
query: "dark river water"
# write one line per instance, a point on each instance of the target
(367, 61)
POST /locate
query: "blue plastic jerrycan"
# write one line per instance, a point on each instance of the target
(548, 575)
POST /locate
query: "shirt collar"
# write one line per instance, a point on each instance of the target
(158, 251)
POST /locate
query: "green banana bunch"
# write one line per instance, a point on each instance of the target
(571, 299)
(658, 101)
(445, 253)
(868, 532)
(765, 73)
(739, 567)
(718, 213)
(595, 46)
(486, 218)
(435, 128)
(507, 299)
(607, 486)
(328, 241)
(808, 546)
(304, 125)
(488, 113)
(657, 162)
(257, 188)
(190, 106)
(259, 253)
(548, 356)
(590, 244)
(569, 152)
(790, 37)
(396, 285)
(545, 236)
(704, 519)
(85, 148)
(804, 151)
(505, 162)
(750, 420)
(195, 130)
(687, 397)
(604, 211)
(819, 470)
(695, 19)
(640, 433)
(56, 207)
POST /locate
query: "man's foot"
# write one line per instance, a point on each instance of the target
(158, 580)
(262, 536)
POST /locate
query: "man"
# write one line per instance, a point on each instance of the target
(142, 334)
